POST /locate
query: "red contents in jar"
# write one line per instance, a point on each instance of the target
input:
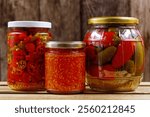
(107, 39)
(65, 70)
(26, 58)
(124, 52)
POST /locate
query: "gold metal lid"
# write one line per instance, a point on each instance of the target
(65, 44)
(113, 20)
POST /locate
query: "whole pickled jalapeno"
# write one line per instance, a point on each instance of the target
(114, 54)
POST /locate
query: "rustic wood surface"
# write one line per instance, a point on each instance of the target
(142, 93)
(69, 18)
(65, 18)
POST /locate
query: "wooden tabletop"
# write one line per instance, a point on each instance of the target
(142, 93)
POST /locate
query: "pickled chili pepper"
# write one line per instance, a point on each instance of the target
(94, 70)
(124, 52)
(90, 52)
(139, 58)
(26, 54)
(107, 39)
(106, 55)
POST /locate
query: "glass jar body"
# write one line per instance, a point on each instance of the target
(26, 48)
(65, 70)
(114, 57)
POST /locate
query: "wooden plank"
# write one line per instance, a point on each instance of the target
(95, 8)
(142, 92)
(20, 10)
(144, 88)
(65, 18)
(141, 10)
(74, 97)
(4, 83)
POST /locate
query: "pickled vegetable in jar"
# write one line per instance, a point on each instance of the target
(26, 49)
(114, 54)
(65, 67)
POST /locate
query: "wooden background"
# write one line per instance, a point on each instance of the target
(69, 19)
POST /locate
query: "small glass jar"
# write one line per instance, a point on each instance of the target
(65, 67)
(26, 48)
(114, 54)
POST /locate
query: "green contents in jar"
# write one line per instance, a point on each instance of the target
(106, 55)
(130, 67)
(139, 58)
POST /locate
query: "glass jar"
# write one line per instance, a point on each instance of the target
(65, 67)
(26, 49)
(114, 54)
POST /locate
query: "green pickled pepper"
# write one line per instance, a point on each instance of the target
(139, 58)
(130, 66)
(106, 55)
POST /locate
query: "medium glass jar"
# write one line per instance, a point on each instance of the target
(114, 54)
(26, 48)
(65, 67)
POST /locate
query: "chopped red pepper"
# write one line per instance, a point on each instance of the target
(65, 71)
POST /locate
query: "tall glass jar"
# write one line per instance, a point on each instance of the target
(26, 48)
(115, 54)
(65, 67)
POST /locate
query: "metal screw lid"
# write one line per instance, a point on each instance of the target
(65, 44)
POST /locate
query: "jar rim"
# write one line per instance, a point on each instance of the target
(65, 44)
(34, 24)
(113, 20)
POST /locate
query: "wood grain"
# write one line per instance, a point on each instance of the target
(141, 93)
(97, 8)
(141, 10)
(65, 17)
